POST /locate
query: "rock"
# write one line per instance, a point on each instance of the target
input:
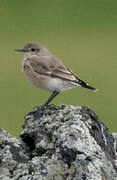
(60, 143)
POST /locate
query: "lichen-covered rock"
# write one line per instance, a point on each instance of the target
(60, 143)
(12, 153)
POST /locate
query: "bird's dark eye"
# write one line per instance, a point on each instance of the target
(32, 49)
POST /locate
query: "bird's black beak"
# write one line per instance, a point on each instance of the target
(22, 50)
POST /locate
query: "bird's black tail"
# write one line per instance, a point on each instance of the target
(85, 85)
(82, 83)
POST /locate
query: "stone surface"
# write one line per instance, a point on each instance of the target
(60, 143)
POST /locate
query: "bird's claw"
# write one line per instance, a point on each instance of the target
(39, 108)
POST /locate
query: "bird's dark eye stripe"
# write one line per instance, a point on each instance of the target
(32, 49)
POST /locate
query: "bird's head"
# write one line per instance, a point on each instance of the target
(34, 49)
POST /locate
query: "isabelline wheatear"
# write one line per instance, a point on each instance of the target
(46, 71)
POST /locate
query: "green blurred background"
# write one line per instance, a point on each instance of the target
(82, 33)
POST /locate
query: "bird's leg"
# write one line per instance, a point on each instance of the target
(38, 112)
(53, 95)
(40, 109)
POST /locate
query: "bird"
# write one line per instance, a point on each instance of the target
(46, 71)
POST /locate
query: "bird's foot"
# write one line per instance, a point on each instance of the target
(43, 107)
(39, 108)
(38, 112)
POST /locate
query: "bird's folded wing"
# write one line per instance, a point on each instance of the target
(60, 70)
(52, 67)
(63, 74)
